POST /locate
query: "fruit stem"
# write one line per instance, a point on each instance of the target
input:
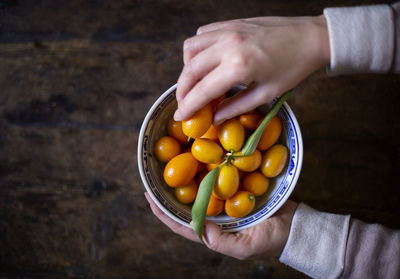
(237, 156)
(228, 158)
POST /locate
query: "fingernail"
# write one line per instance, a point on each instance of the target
(178, 115)
(206, 234)
(191, 224)
(218, 121)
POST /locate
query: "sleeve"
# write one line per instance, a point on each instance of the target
(317, 243)
(372, 251)
(324, 245)
(364, 39)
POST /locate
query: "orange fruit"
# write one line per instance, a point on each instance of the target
(215, 206)
(231, 134)
(212, 166)
(227, 182)
(212, 133)
(175, 130)
(166, 148)
(274, 160)
(250, 120)
(206, 151)
(187, 193)
(180, 170)
(270, 134)
(247, 163)
(255, 183)
(198, 123)
(241, 204)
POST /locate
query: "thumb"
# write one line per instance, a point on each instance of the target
(212, 232)
(219, 241)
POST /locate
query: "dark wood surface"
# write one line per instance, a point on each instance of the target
(76, 80)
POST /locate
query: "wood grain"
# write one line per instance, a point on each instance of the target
(76, 80)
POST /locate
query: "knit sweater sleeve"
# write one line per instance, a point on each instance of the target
(364, 39)
(324, 245)
(372, 251)
(317, 243)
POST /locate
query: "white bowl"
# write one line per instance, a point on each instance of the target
(151, 170)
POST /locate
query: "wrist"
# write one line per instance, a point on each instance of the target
(322, 37)
(283, 229)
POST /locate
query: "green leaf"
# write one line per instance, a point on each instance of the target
(200, 205)
(252, 141)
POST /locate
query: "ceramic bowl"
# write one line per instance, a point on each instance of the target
(151, 170)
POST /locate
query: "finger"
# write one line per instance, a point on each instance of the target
(213, 85)
(243, 101)
(174, 226)
(231, 244)
(195, 70)
(196, 44)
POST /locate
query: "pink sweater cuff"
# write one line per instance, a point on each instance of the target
(396, 61)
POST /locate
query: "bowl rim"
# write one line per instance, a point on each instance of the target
(170, 214)
(140, 154)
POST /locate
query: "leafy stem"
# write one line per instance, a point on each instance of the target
(200, 205)
(252, 142)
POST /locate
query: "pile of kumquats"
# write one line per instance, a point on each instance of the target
(195, 146)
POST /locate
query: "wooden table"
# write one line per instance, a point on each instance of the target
(76, 80)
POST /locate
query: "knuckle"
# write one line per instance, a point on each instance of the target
(189, 71)
(240, 61)
(234, 38)
(188, 49)
(200, 30)
(204, 28)
(208, 27)
(240, 68)
(187, 44)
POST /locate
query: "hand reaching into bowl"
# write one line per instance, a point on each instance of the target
(271, 54)
(266, 239)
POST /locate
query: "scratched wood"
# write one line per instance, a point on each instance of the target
(76, 79)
